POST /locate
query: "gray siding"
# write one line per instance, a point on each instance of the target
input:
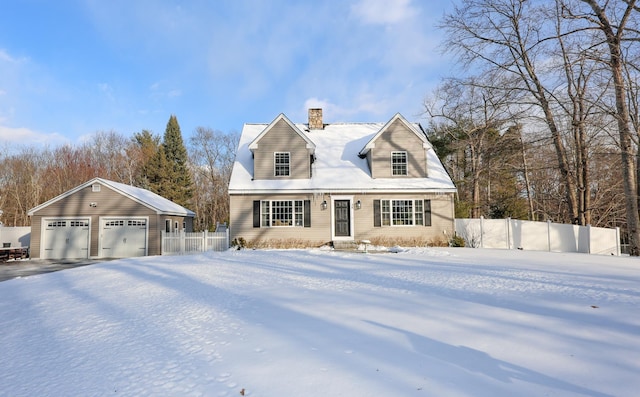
(241, 225)
(442, 218)
(398, 137)
(109, 203)
(281, 138)
(34, 244)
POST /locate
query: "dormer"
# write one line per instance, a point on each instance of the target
(398, 150)
(282, 151)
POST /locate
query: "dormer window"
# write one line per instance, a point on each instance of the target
(281, 163)
(398, 163)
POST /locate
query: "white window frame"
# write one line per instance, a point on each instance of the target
(396, 165)
(391, 216)
(279, 166)
(271, 212)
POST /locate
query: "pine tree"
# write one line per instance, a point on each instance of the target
(146, 149)
(177, 185)
(159, 174)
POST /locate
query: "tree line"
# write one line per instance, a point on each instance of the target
(543, 120)
(194, 174)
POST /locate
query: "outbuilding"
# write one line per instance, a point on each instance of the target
(104, 219)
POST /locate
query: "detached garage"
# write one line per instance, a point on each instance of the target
(104, 219)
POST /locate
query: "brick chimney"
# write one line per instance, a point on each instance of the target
(315, 119)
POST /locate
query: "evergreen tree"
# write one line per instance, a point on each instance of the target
(159, 174)
(177, 185)
(146, 149)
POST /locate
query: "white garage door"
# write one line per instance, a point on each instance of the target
(65, 238)
(123, 238)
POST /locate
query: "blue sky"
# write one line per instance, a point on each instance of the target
(71, 68)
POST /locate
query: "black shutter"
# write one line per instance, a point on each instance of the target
(256, 213)
(427, 212)
(377, 217)
(307, 213)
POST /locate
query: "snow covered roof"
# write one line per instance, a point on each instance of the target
(145, 197)
(338, 167)
(310, 145)
(413, 127)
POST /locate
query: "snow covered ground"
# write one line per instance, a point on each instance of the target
(420, 322)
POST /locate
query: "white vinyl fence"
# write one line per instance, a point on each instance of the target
(538, 236)
(180, 243)
(15, 236)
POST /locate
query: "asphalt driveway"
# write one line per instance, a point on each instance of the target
(30, 267)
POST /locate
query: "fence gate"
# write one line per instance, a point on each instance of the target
(179, 243)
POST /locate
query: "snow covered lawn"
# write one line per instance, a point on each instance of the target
(300, 323)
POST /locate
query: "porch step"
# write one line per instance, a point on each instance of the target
(345, 245)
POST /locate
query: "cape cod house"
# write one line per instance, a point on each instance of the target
(104, 219)
(338, 182)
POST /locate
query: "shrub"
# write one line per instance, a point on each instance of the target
(409, 242)
(239, 243)
(289, 243)
(457, 241)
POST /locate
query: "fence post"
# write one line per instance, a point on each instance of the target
(183, 240)
(205, 241)
(163, 242)
(508, 232)
(481, 231)
(618, 241)
(588, 239)
(549, 234)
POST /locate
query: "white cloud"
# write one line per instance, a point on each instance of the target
(23, 135)
(383, 12)
(6, 57)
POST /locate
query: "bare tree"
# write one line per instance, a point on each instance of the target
(473, 114)
(21, 184)
(509, 37)
(212, 154)
(618, 23)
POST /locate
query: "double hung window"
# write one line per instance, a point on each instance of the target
(282, 213)
(281, 163)
(398, 163)
(403, 213)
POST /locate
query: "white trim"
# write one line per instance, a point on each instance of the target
(372, 142)
(275, 164)
(413, 212)
(253, 145)
(351, 235)
(406, 162)
(43, 229)
(124, 190)
(247, 192)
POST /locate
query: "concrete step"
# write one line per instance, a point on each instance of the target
(345, 245)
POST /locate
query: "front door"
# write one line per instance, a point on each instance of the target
(342, 211)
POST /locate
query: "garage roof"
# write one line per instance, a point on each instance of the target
(145, 197)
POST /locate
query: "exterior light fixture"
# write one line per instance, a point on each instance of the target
(358, 205)
(324, 204)
(93, 204)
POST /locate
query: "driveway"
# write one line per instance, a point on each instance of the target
(30, 267)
